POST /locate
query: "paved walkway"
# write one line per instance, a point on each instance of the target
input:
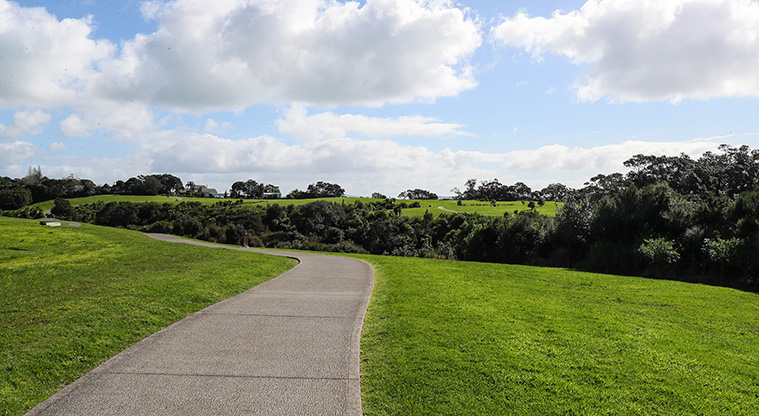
(289, 346)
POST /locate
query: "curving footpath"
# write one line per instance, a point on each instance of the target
(289, 346)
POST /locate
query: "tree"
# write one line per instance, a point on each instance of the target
(14, 198)
(417, 194)
(324, 190)
(33, 177)
(62, 209)
(554, 192)
(378, 195)
(169, 183)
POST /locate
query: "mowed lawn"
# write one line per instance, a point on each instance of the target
(72, 297)
(460, 338)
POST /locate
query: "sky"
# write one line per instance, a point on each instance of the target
(375, 95)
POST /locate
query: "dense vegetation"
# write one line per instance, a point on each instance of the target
(73, 297)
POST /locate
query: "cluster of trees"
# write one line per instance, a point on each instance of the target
(727, 173)
(251, 189)
(34, 187)
(417, 194)
(318, 190)
(16, 194)
(145, 185)
(496, 191)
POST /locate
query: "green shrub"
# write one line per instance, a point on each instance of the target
(659, 251)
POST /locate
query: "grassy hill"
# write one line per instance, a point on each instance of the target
(435, 207)
(441, 337)
(446, 337)
(72, 297)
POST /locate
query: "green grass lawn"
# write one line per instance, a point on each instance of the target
(440, 337)
(72, 297)
(445, 337)
(433, 206)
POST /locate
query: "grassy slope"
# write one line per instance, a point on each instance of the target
(447, 337)
(440, 337)
(72, 297)
(433, 206)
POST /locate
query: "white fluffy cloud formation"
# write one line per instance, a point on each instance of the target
(324, 125)
(122, 122)
(14, 152)
(234, 53)
(45, 62)
(24, 123)
(600, 159)
(361, 165)
(230, 54)
(648, 50)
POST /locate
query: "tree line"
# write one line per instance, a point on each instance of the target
(17, 193)
(668, 217)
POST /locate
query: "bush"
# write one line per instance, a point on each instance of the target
(62, 209)
(659, 251)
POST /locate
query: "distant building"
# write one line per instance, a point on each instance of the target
(211, 192)
(205, 191)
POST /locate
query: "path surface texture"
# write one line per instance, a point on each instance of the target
(289, 346)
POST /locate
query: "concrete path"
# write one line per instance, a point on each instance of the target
(289, 346)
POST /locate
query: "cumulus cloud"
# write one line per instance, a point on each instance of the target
(127, 122)
(363, 165)
(323, 125)
(75, 126)
(649, 50)
(45, 62)
(57, 146)
(14, 152)
(234, 53)
(600, 159)
(25, 123)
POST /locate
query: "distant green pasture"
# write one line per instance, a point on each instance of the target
(433, 206)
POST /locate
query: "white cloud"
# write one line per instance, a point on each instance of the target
(57, 146)
(329, 125)
(212, 126)
(650, 50)
(25, 123)
(234, 53)
(74, 126)
(131, 122)
(14, 152)
(362, 166)
(45, 62)
(599, 159)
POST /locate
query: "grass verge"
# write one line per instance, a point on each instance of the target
(446, 337)
(72, 297)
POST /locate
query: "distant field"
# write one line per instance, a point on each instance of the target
(444, 337)
(72, 297)
(433, 206)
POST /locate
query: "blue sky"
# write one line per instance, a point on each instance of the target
(378, 96)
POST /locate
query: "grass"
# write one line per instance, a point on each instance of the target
(446, 337)
(72, 297)
(433, 206)
(438, 207)
(440, 337)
